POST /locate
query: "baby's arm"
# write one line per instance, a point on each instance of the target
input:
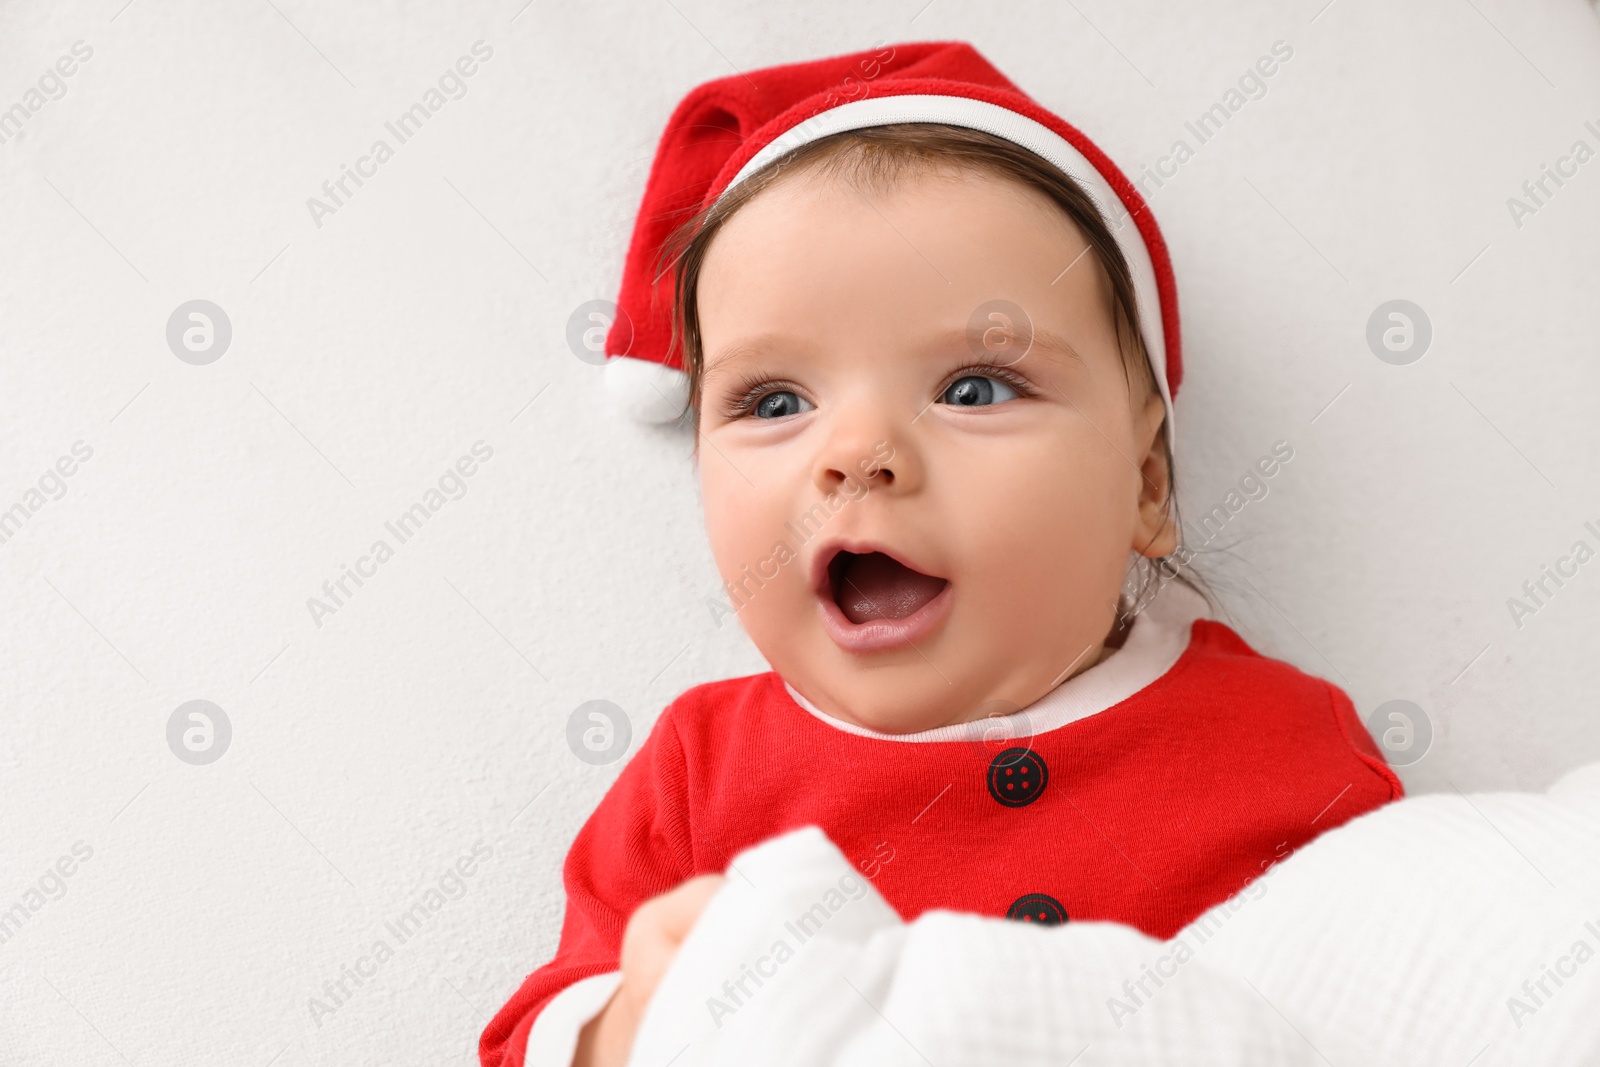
(655, 931)
(634, 847)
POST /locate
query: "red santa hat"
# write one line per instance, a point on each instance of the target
(728, 129)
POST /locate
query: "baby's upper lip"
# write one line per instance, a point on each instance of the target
(821, 580)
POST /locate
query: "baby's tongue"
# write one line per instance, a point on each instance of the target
(875, 586)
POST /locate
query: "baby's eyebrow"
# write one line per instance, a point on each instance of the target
(1041, 337)
(729, 357)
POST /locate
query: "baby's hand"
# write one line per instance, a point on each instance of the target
(655, 930)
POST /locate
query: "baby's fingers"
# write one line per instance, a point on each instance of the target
(657, 928)
(681, 907)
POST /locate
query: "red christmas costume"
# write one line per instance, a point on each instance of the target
(1150, 806)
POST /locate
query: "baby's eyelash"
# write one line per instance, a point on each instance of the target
(749, 392)
(1022, 385)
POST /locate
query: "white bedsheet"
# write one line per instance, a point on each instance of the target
(1442, 929)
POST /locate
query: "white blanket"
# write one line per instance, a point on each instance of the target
(1441, 929)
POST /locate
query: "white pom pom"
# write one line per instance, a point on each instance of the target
(646, 391)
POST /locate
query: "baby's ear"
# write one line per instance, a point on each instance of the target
(1156, 534)
(1153, 419)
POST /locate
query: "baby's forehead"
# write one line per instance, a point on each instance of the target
(955, 214)
(835, 259)
(955, 223)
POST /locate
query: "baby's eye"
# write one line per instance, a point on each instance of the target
(780, 404)
(976, 391)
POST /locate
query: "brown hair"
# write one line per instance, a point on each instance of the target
(878, 156)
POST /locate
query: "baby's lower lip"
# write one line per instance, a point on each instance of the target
(878, 635)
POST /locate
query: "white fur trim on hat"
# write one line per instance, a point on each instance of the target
(646, 391)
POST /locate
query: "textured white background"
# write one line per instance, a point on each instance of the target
(368, 354)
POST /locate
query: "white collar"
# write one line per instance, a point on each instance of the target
(1159, 635)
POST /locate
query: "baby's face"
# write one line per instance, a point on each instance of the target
(917, 527)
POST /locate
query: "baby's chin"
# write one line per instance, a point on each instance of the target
(891, 713)
(928, 654)
(912, 690)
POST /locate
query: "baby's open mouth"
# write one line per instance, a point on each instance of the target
(873, 585)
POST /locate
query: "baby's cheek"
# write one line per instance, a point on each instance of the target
(1047, 541)
(731, 511)
(758, 558)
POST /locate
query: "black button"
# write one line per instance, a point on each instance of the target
(1017, 776)
(1037, 908)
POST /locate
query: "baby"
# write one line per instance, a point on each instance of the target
(932, 391)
